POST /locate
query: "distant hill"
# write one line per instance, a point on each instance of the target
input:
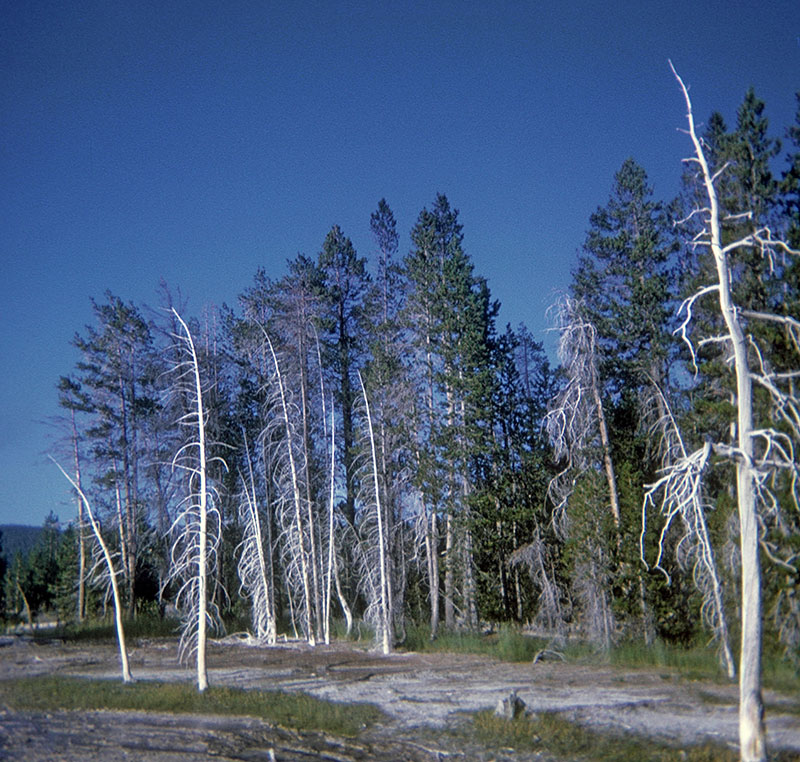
(17, 537)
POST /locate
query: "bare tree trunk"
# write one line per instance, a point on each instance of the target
(255, 561)
(752, 734)
(331, 560)
(202, 558)
(386, 618)
(608, 463)
(312, 533)
(81, 603)
(112, 574)
(432, 548)
(449, 573)
(310, 635)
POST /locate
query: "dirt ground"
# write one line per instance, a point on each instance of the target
(423, 695)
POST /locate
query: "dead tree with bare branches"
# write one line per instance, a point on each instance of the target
(196, 530)
(762, 450)
(679, 494)
(255, 557)
(576, 425)
(111, 575)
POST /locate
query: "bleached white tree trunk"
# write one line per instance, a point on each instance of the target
(296, 498)
(112, 575)
(194, 543)
(777, 448)
(331, 561)
(385, 616)
(255, 560)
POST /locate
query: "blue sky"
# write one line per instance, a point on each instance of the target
(197, 141)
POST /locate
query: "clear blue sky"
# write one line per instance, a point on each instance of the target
(197, 141)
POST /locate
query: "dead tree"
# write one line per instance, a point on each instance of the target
(574, 423)
(681, 495)
(255, 559)
(578, 411)
(290, 502)
(196, 529)
(373, 536)
(112, 577)
(760, 452)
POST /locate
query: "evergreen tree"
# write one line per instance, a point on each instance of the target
(390, 395)
(451, 321)
(344, 282)
(623, 284)
(622, 281)
(117, 373)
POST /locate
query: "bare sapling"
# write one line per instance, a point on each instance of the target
(760, 452)
(536, 557)
(196, 529)
(112, 576)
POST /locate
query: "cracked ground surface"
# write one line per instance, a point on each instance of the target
(421, 694)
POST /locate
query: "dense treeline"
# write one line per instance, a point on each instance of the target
(380, 450)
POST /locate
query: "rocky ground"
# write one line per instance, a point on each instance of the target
(423, 695)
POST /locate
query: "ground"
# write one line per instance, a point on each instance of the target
(423, 695)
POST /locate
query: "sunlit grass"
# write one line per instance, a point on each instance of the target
(292, 710)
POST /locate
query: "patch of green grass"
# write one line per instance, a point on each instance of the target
(507, 644)
(98, 631)
(699, 662)
(778, 674)
(562, 739)
(690, 662)
(292, 710)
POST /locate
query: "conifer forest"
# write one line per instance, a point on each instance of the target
(358, 444)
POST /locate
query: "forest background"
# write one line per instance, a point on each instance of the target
(405, 454)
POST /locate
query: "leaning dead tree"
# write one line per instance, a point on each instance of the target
(762, 450)
(112, 576)
(576, 426)
(196, 529)
(577, 414)
(537, 557)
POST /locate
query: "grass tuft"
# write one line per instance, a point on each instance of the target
(291, 710)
